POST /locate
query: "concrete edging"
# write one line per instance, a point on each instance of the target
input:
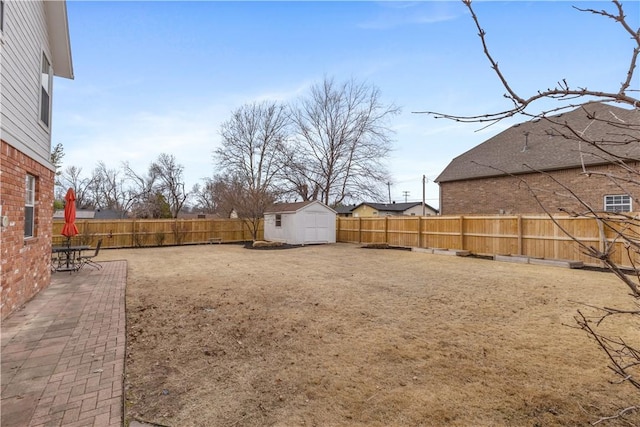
(520, 259)
(539, 261)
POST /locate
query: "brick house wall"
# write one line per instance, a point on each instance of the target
(509, 195)
(25, 263)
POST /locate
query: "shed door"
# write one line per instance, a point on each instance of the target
(316, 227)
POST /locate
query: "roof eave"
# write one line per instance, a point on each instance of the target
(559, 168)
(58, 26)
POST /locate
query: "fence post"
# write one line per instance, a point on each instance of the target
(556, 242)
(386, 229)
(461, 232)
(359, 229)
(602, 243)
(520, 235)
(420, 231)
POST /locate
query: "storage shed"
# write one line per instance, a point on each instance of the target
(300, 223)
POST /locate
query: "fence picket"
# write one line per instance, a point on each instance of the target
(527, 235)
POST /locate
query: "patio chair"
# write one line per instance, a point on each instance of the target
(88, 259)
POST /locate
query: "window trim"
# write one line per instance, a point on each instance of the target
(610, 205)
(30, 204)
(2, 10)
(278, 220)
(47, 91)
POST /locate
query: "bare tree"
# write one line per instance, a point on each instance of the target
(252, 158)
(342, 139)
(209, 197)
(235, 197)
(71, 177)
(170, 181)
(252, 144)
(624, 173)
(110, 189)
(204, 197)
(142, 190)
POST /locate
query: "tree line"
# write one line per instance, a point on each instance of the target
(330, 144)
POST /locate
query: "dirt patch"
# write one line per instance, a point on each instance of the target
(384, 246)
(339, 336)
(265, 246)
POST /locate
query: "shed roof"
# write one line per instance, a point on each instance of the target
(542, 144)
(293, 207)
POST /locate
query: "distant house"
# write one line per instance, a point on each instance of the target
(300, 223)
(97, 214)
(80, 214)
(190, 215)
(367, 209)
(488, 179)
(344, 211)
(35, 47)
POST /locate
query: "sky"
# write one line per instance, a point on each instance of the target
(156, 77)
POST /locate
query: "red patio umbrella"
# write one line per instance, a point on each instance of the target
(70, 228)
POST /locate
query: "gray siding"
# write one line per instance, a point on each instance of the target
(24, 39)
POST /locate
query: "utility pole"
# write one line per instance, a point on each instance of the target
(424, 206)
(389, 187)
(405, 194)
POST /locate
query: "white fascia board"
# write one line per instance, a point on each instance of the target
(58, 28)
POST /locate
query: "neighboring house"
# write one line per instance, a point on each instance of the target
(34, 38)
(98, 214)
(344, 211)
(80, 214)
(495, 176)
(190, 215)
(366, 209)
(108, 214)
(300, 223)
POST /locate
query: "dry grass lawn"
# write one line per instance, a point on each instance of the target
(337, 335)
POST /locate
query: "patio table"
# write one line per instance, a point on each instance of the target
(67, 257)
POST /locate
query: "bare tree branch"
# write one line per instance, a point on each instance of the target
(608, 147)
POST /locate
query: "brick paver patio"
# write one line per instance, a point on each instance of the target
(63, 353)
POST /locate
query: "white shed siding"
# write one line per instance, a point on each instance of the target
(316, 227)
(23, 45)
(285, 233)
(313, 223)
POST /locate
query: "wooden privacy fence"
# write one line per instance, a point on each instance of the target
(127, 233)
(535, 236)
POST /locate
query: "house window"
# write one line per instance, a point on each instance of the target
(45, 91)
(29, 206)
(618, 203)
(278, 220)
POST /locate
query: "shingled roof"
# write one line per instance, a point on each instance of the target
(287, 207)
(540, 144)
(394, 207)
(291, 207)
